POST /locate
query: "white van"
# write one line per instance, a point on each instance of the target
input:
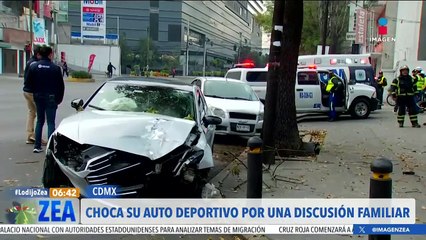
(311, 97)
(255, 77)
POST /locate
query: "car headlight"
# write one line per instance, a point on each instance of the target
(218, 112)
(260, 118)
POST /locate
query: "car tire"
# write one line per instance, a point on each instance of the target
(52, 174)
(360, 108)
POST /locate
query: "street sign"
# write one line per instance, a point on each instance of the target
(350, 36)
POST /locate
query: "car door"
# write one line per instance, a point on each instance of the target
(209, 130)
(308, 91)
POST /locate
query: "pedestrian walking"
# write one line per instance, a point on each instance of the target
(335, 87)
(109, 69)
(65, 69)
(28, 95)
(46, 81)
(381, 83)
(174, 72)
(403, 89)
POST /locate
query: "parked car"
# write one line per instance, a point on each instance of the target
(148, 137)
(235, 103)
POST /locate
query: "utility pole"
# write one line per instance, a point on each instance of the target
(31, 26)
(239, 48)
(187, 51)
(206, 40)
(325, 27)
(147, 47)
(118, 28)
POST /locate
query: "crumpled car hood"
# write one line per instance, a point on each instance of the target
(143, 134)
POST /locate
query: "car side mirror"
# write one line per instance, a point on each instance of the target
(352, 82)
(77, 104)
(212, 120)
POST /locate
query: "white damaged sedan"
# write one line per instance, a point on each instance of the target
(147, 137)
(235, 103)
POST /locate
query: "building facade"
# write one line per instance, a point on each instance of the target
(176, 27)
(15, 31)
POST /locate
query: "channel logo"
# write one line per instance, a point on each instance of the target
(46, 210)
(382, 26)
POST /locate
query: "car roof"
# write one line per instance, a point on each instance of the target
(154, 82)
(265, 69)
(220, 79)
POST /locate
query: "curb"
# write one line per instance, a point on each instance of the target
(80, 79)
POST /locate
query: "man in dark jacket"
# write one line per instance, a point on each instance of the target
(403, 89)
(109, 68)
(28, 94)
(45, 79)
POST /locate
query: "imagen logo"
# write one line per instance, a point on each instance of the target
(383, 28)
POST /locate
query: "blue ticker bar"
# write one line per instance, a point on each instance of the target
(389, 229)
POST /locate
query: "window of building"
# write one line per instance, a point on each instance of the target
(174, 33)
(153, 26)
(154, 4)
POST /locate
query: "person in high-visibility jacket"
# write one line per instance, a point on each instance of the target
(381, 83)
(335, 87)
(403, 89)
(419, 83)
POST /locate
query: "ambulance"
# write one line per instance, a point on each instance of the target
(359, 98)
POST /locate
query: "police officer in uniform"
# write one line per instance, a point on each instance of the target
(46, 82)
(335, 88)
(403, 88)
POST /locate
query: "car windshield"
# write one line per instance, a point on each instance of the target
(138, 98)
(229, 90)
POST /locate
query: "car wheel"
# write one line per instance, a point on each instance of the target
(360, 109)
(52, 174)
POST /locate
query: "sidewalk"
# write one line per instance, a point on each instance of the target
(342, 169)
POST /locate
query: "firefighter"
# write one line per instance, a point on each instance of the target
(403, 89)
(335, 87)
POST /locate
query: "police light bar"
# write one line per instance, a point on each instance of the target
(244, 65)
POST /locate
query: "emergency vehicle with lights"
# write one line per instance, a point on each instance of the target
(359, 99)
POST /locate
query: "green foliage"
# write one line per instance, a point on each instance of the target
(265, 19)
(217, 63)
(147, 49)
(169, 62)
(126, 54)
(81, 74)
(312, 25)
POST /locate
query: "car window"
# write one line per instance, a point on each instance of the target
(151, 99)
(234, 75)
(257, 76)
(307, 78)
(229, 90)
(360, 75)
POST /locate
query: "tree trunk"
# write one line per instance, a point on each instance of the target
(280, 129)
(286, 129)
(274, 76)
